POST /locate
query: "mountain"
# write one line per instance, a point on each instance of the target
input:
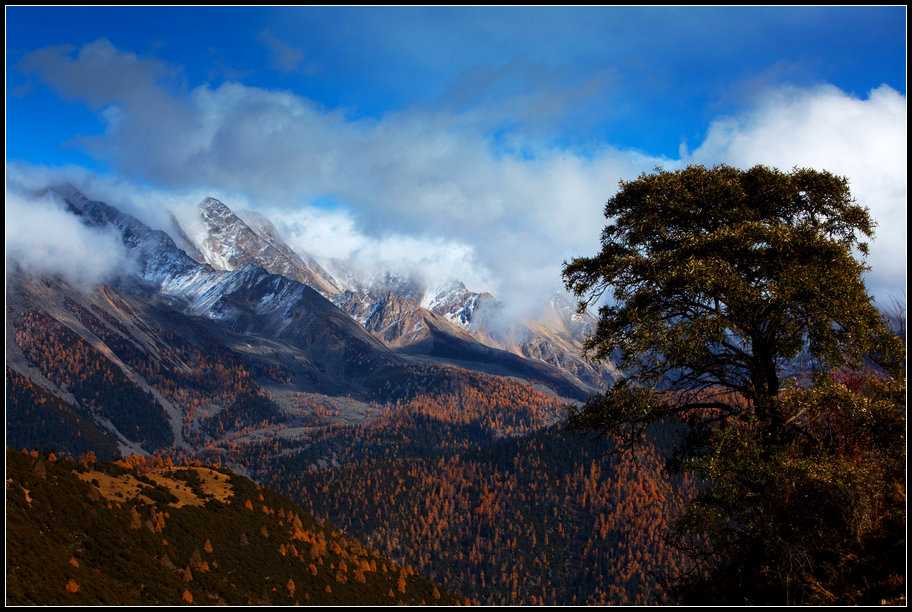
(227, 242)
(408, 315)
(247, 291)
(147, 532)
(452, 321)
(196, 351)
(402, 408)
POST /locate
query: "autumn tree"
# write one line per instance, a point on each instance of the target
(719, 290)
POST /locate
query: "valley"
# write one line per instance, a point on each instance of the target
(384, 407)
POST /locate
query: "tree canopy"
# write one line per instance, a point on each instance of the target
(720, 278)
(724, 292)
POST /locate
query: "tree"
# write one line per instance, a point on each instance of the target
(720, 280)
(817, 521)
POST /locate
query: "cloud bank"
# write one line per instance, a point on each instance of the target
(44, 239)
(443, 189)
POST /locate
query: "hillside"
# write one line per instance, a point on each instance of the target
(461, 479)
(382, 411)
(142, 532)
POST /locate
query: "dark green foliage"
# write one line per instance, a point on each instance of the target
(99, 385)
(37, 418)
(246, 410)
(721, 279)
(191, 477)
(819, 520)
(60, 530)
(159, 494)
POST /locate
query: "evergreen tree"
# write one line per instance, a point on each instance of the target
(719, 280)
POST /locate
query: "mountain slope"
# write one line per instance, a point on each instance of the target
(249, 298)
(145, 532)
(203, 354)
(418, 317)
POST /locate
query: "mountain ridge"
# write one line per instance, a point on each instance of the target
(405, 312)
(208, 352)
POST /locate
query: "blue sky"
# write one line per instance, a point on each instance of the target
(474, 142)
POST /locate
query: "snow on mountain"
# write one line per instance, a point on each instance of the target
(249, 297)
(228, 242)
(401, 310)
(160, 261)
(396, 306)
(456, 303)
(405, 313)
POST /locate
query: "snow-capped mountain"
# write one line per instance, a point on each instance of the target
(247, 296)
(252, 282)
(403, 311)
(213, 329)
(227, 241)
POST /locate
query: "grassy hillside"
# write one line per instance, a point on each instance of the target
(145, 532)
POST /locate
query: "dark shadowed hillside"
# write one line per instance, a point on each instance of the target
(146, 532)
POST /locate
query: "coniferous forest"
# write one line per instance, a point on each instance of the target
(144, 531)
(468, 480)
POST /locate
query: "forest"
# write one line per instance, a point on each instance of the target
(73, 540)
(483, 492)
(755, 453)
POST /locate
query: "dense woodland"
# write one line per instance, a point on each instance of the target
(541, 519)
(37, 419)
(96, 383)
(471, 486)
(470, 479)
(69, 544)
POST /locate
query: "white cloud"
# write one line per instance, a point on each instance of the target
(426, 183)
(827, 129)
(43, 239)
(432, 187)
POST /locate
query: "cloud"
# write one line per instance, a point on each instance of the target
(439, 187)
(825, 128)
(431, 176)
(101, 74)
(522, 94)
(43, 239)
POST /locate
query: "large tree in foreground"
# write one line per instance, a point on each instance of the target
(728, 288)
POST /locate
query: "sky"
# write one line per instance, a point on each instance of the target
(475, 143)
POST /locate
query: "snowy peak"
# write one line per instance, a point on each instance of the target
(456, 303)
(261, 281)
(228, 242)
(213, 209)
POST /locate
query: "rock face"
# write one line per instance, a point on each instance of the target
(230, 243)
